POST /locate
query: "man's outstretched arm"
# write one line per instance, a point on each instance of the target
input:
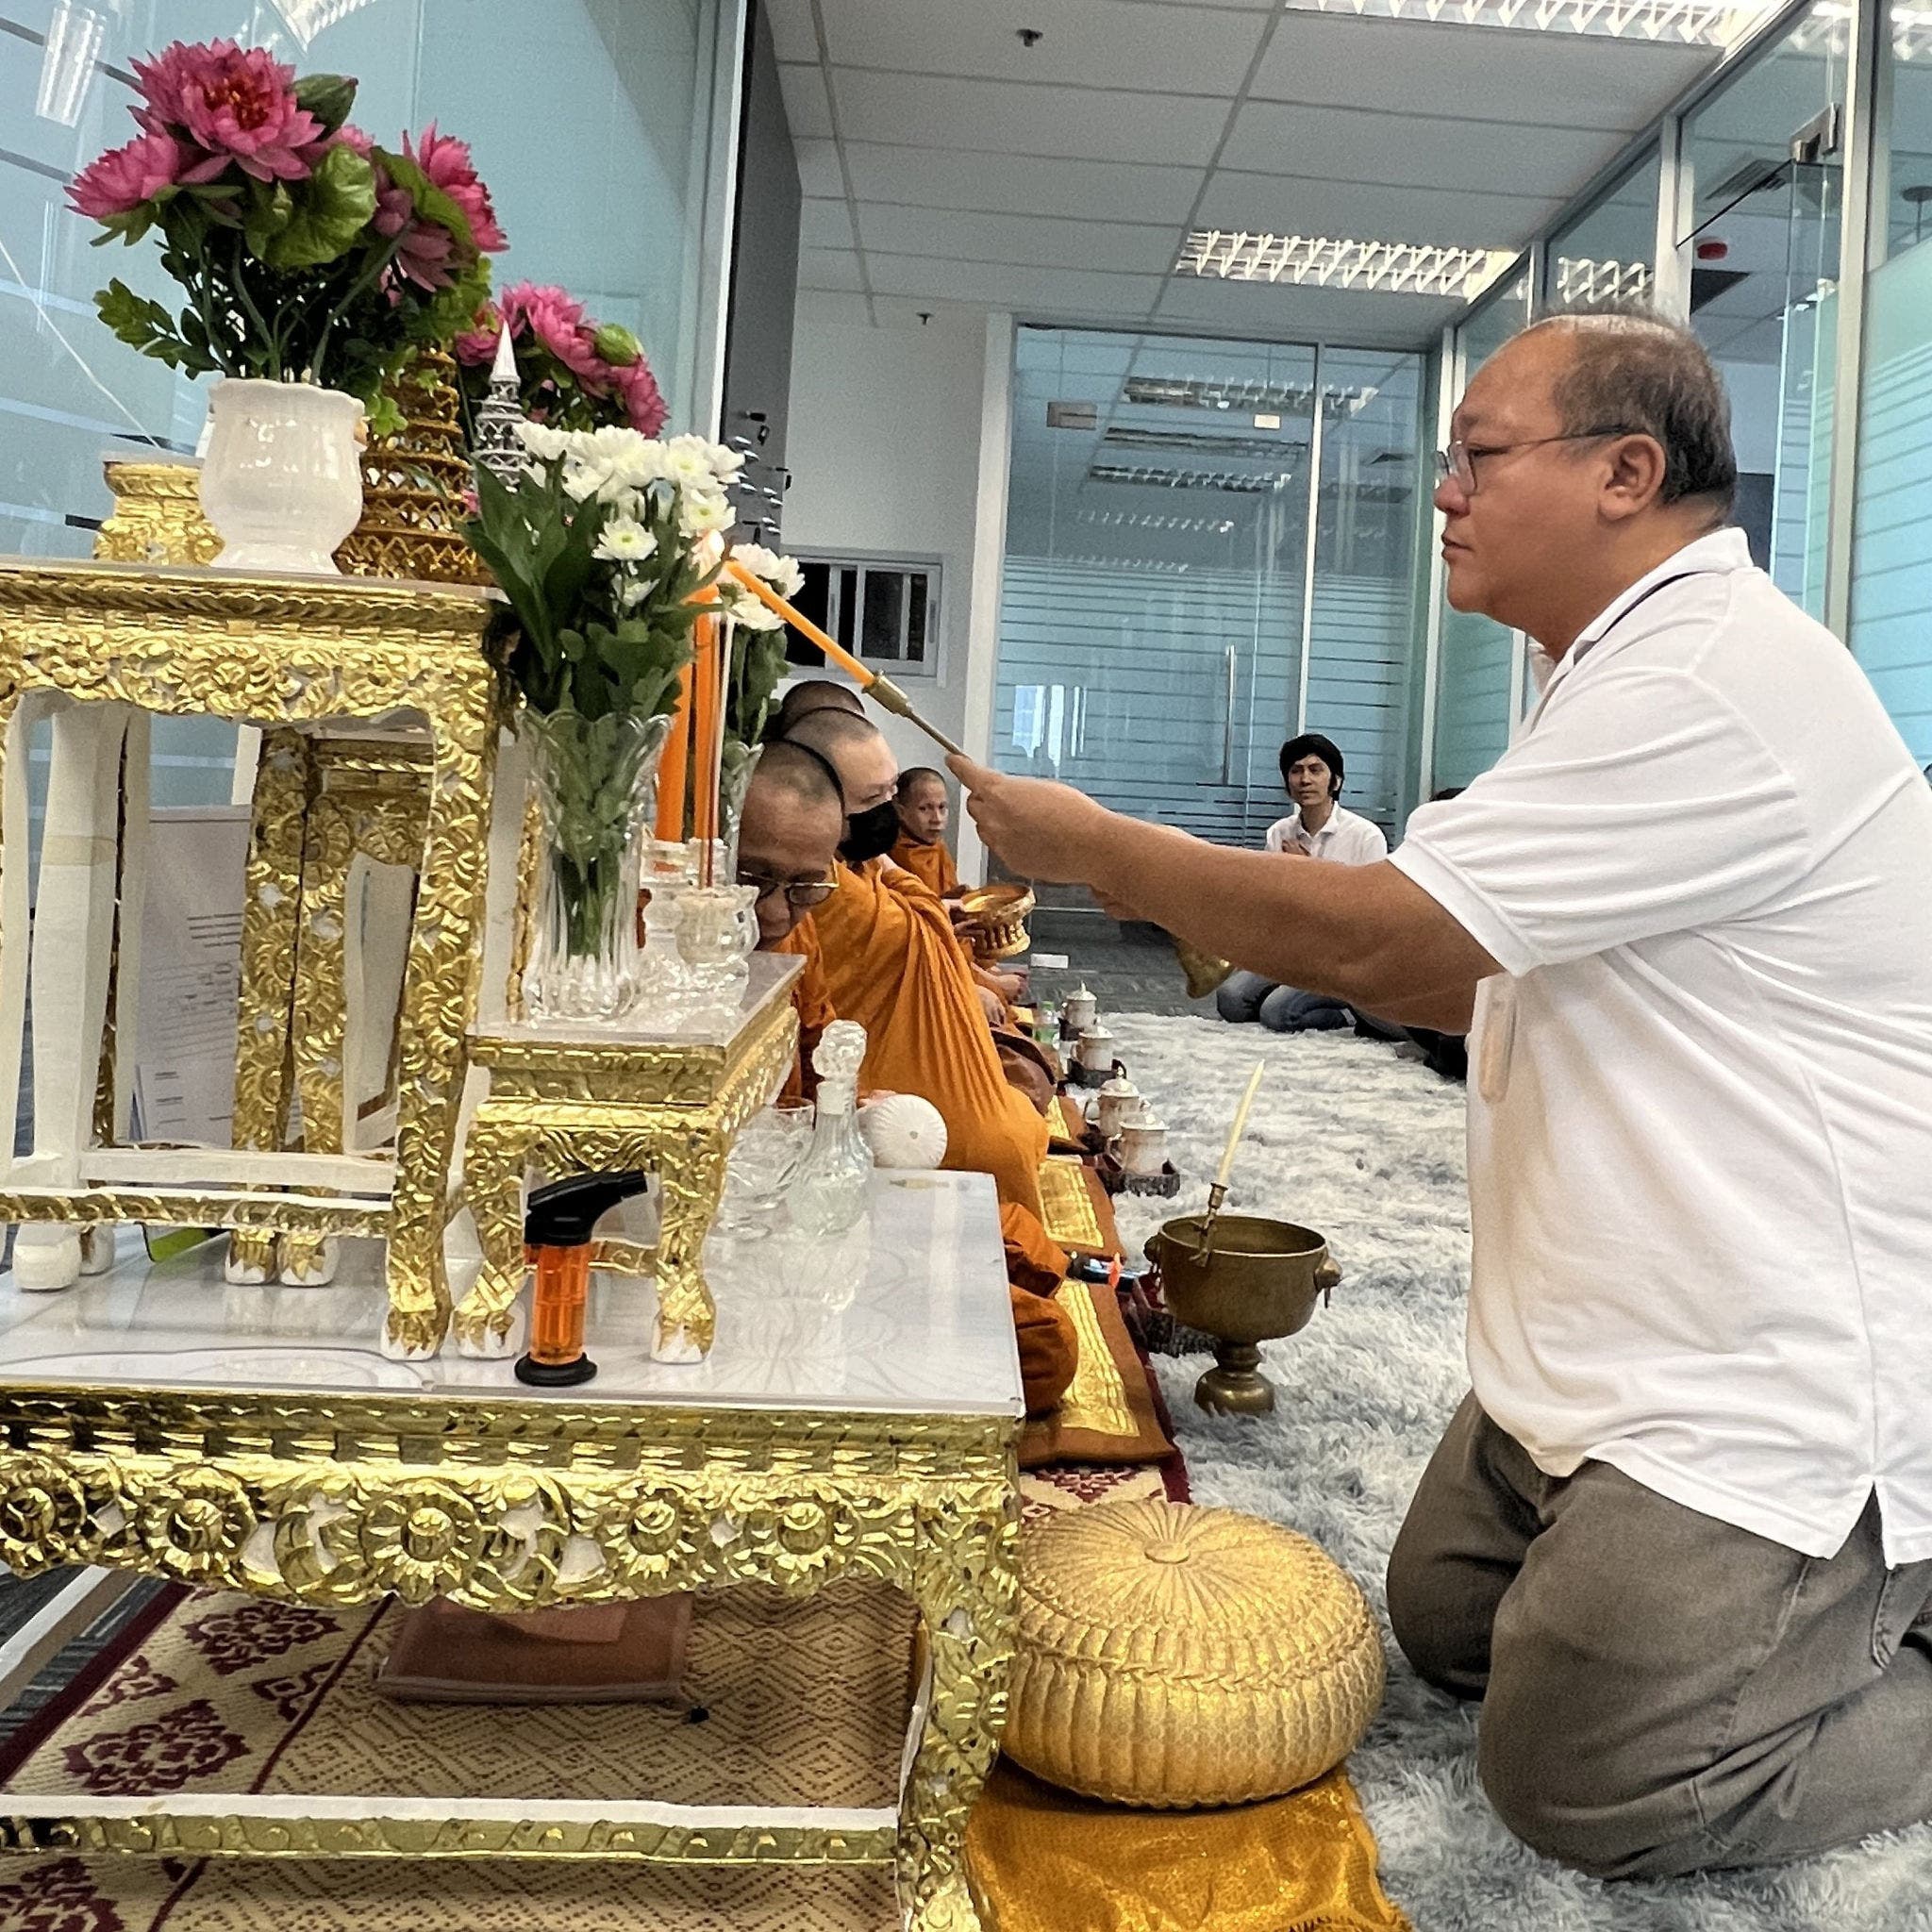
(1365, 934)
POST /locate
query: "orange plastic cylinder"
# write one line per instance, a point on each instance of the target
(558, 1305)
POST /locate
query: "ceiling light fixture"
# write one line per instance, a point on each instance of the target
(1142, 519)
(1290, 398)
(1579, 279)
(1154, 475)
(1683, 23)
(304, 18)
(1267, 447)
(68, 53)
(1392, 267)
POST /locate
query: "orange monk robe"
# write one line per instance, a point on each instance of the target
(937, 875)
(812, 1002)
(892, 964)
(931, 865)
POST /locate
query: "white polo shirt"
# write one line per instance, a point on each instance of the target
(1347, 839)
(1700, 1120)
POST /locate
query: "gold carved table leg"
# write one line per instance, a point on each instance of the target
(271, 916)
(439, 1000)
(966, 1586)
(690, 1160)
(494, 1159)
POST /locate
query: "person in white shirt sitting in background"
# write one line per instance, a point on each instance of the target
(1318, 828)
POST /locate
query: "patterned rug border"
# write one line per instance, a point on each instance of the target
(80, 1688)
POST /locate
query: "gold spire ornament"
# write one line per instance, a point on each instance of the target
(414, 486)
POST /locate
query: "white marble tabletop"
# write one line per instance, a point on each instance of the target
(906, 1313)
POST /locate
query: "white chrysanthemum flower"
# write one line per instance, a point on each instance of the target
(625, 540)
(781, 572)
(701, 512)
(725, 464)
(742, 608)
(544, 443)
(631, 592)
(581, 479)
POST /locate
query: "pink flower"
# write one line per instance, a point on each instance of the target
(230, 101)
(642, 400)
(477, 344)
(447, 164)
(558, 323)
(125, 176)
(424, 250)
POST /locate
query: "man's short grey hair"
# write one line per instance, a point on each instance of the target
(1632, 371)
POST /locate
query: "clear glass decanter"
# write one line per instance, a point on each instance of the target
(830, 1194)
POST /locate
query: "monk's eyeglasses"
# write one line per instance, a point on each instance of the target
(803, 894)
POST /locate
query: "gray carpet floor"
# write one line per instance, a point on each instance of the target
(1349, 1137)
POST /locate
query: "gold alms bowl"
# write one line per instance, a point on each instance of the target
(995, 920)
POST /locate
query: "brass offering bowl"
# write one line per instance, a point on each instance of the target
(995, 920)
(1256, 1281)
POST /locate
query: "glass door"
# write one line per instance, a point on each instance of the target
(1763, 297)
(1157, 544)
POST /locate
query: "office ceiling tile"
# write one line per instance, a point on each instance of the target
(1091, 191)
(1037, 240)
(824, 223)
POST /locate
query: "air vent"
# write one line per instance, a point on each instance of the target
(1288, 398)
(1073, 416)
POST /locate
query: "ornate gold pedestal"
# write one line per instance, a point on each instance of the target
(285, 652)
(518, 1505)
(594, 1102)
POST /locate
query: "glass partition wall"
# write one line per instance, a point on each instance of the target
(1478, 662)
(1210, 547)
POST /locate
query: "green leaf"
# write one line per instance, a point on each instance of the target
(322, 220)
(432, 204)
(141, 324)
(328, 96)
(617, 345)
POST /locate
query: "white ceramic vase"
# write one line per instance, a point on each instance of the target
(282, 479)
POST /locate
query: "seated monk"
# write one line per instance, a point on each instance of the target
(787, 840)
(787, 847)
(810, 694)
(921, 850)
(892, 964)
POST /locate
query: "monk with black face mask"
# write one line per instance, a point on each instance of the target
(892, 963)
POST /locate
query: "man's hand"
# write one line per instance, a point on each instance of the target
(1039, 831)
(991, 1005)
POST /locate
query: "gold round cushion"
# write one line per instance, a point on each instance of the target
(1171, 1656)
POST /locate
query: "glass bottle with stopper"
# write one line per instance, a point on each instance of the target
(830, 1194)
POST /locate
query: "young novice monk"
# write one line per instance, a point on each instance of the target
(921, 850)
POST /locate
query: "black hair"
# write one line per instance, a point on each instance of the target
(1312, 743)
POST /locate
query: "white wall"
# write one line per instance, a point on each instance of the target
(884, 448)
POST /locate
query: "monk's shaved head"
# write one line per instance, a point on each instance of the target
(813, 694)
(790, 832)
(855, 749)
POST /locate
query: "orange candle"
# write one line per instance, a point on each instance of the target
(707, 741)
(804, 626)
(673, 766)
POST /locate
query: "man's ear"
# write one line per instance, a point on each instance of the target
(1636, 474)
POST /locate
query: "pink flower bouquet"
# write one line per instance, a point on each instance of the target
(306, 253)
(576, 373)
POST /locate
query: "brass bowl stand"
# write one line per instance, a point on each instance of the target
(1258, 1281)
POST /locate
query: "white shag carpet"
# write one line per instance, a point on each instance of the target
(1349, 1137)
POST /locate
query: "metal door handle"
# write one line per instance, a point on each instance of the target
(1227, 724)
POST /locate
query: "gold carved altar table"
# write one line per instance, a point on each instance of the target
(92, 646)
(575, 1100)
(857, 1417)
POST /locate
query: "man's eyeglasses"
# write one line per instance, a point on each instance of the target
(1458, 459)
(803, 894)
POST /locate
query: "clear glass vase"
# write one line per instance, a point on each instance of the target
(596, 783)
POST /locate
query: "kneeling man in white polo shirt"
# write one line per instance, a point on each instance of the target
(1679, 1537)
